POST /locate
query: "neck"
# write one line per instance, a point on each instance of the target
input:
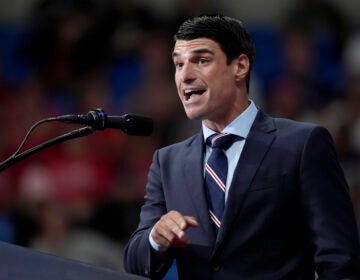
(219, 124)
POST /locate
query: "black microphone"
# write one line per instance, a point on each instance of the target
(99, 120)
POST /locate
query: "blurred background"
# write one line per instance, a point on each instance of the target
(81, 199)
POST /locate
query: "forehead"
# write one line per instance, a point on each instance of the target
(188, 47)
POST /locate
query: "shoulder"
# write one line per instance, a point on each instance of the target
(290, 127)
(174, 150)
(284, 124)
(185, 143)
(298, 127)
(294, 128)
(290, 130)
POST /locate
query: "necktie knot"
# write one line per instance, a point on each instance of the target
(221, 140)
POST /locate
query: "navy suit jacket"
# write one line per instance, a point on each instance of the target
(288, 211)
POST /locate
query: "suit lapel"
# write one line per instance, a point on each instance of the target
(193, 175)
(257, 144)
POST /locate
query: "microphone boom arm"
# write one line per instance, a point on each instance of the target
(96, 119)
(62, 138)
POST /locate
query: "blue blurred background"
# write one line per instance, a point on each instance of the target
(81, 199)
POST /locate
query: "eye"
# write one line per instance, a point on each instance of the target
(203, 60)
(178, 65)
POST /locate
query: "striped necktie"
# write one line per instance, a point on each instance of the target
(215, 175)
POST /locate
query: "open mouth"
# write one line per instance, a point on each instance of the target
(189, 92)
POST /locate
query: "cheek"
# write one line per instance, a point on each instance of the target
(176, 82)
(227, 82)
(179, 94)
(177, 78)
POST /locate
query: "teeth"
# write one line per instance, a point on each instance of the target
(187, 91)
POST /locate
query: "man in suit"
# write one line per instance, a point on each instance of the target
(287, 211)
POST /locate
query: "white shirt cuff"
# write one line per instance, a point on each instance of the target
(155, 246)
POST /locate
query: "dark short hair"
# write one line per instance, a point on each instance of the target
(228, 32)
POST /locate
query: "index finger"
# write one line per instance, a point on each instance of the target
(191, 221)
(179, 219)
(183, 222)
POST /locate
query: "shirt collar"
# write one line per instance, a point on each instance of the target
(240, 126)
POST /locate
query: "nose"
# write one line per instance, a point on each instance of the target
(187, 73)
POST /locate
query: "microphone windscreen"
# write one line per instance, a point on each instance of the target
(139, 125)
(132, 124)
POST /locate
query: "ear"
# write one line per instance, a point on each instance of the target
(242, 67)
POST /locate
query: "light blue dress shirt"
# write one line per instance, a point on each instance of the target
(240, 127)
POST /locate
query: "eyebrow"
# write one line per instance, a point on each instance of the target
(198, 51)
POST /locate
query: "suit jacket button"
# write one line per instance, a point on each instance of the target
(146, 271)
(216, 266)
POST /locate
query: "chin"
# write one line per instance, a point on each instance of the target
(194, 114)
(196, 118)
(190, 116)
